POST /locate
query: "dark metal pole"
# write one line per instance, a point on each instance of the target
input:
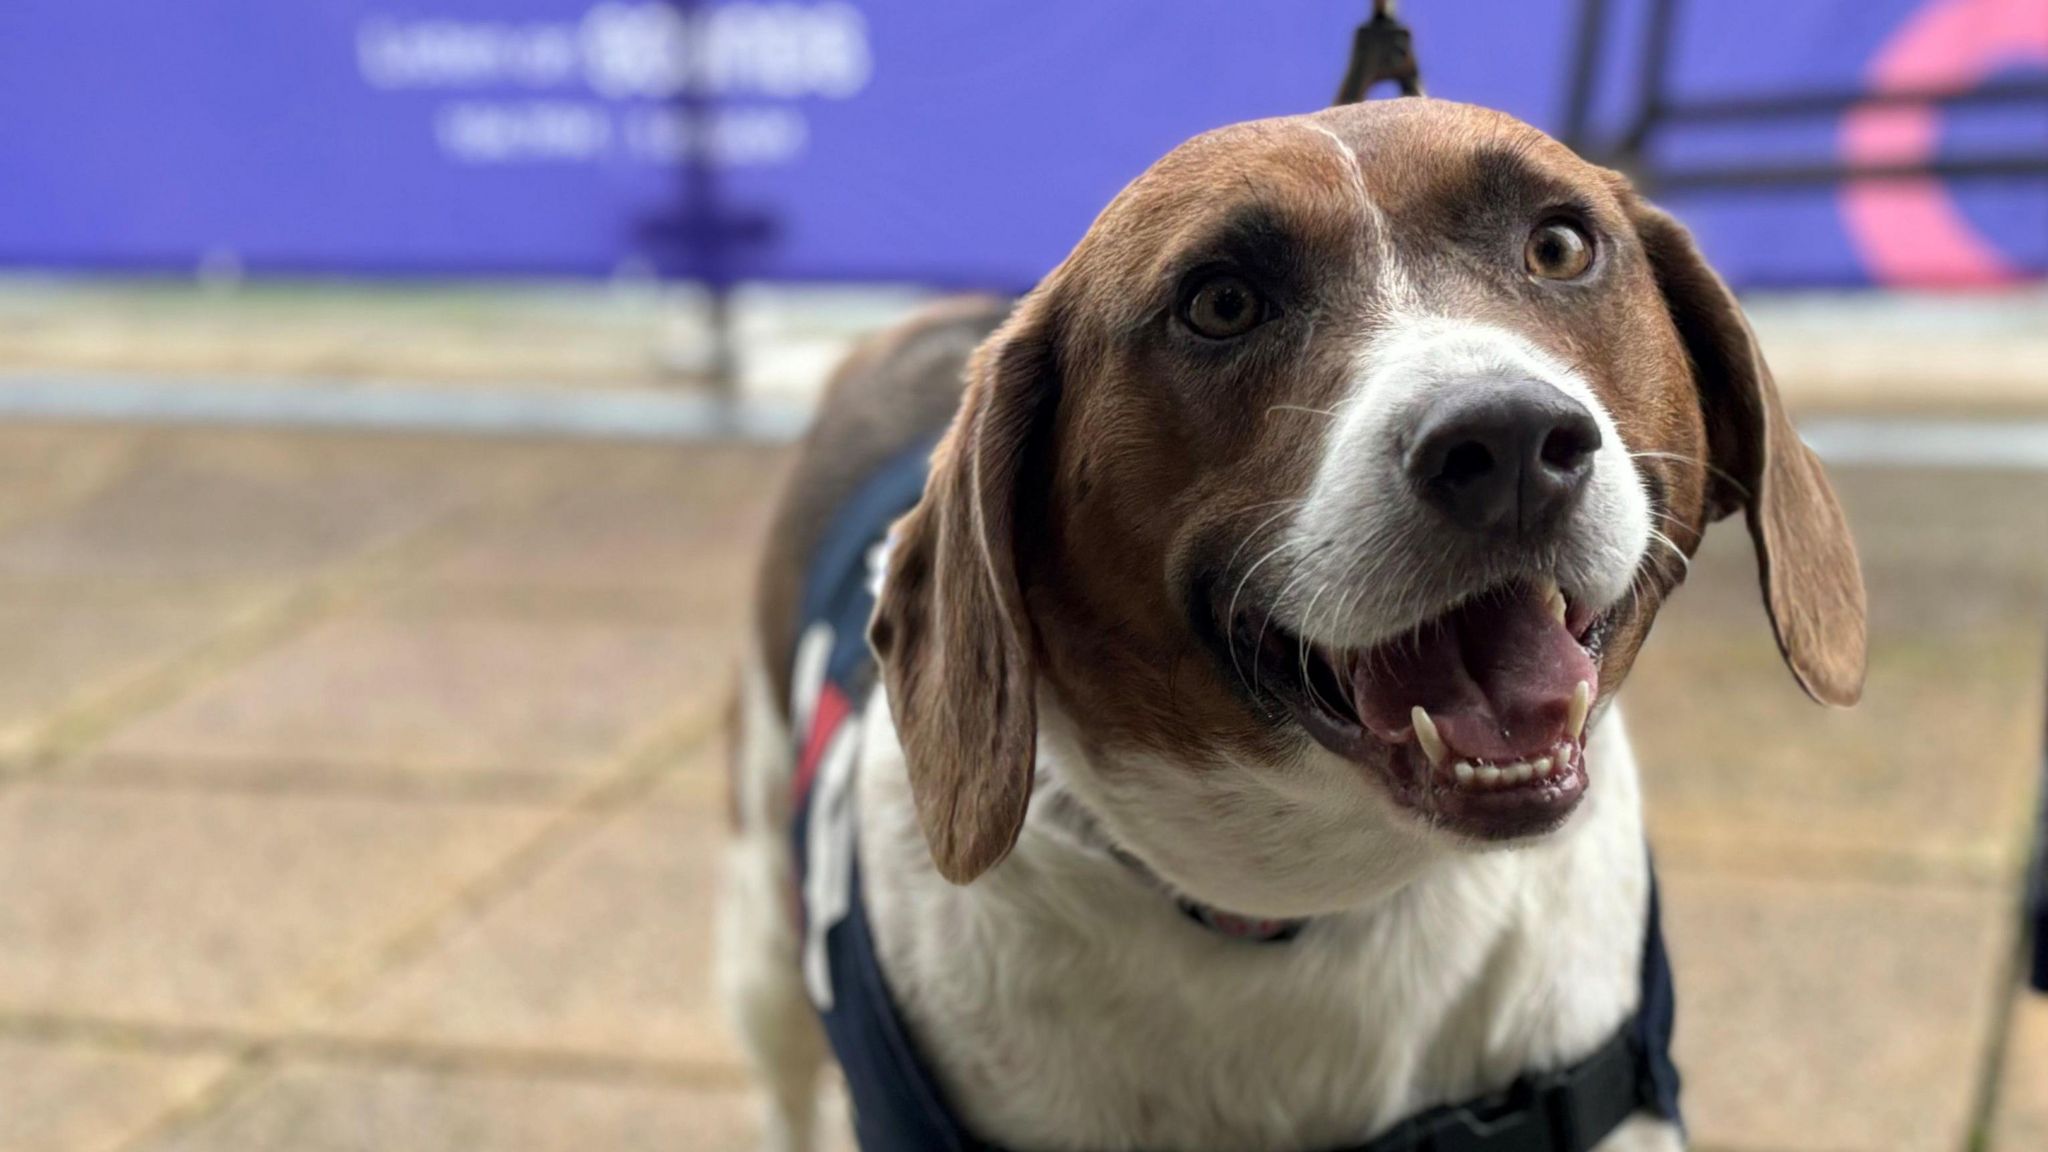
(1650, 84)
(2036, 925)
(1578, 105)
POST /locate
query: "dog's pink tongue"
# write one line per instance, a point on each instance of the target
(1497, 675)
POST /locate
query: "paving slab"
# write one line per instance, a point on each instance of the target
(319, 1107)
(1838, 1015)
(1936, 767)
(608, 950)
(67, 648)
(535, 703)
(226, 911)
(1930, 775)
(1943, 552)
(682, 526)
(2022, 1121)
(47, 466)
(234, 507)
(60, 1097)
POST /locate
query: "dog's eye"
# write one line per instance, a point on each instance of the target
(1558, 250)
(1223, 307)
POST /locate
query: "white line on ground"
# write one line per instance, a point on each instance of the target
(646, 414)
(610, 413)
(1915, 442)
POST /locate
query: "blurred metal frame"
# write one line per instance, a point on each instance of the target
(2034, 926)
(1656, 109)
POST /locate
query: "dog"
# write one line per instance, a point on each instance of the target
(1241, 767)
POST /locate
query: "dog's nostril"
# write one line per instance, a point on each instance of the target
(1568, 445)
(1465, 462)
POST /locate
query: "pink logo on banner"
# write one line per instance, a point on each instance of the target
(1911, 231)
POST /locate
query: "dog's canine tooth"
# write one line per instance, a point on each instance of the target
(1543, 766)
(1553, 600)
(1427, 735)
(1582, 702)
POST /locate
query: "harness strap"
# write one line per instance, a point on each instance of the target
(1568, 1111)
(898, 1105)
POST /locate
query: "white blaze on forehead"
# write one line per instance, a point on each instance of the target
(1362, 525)
(1390, 278)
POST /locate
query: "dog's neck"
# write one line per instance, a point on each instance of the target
(1065, 814)
(1463, 975)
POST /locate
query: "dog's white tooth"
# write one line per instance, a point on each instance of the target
(1543, 766)
(1463, 771)
(1524, 771)
(1575, 720)
(1489, 775)
(1426, 735)
(1553, 600)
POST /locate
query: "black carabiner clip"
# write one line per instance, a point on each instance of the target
(1383, 49)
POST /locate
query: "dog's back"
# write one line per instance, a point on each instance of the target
(897, 387)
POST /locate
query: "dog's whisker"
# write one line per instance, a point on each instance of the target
(1230, 617)
(1301, 644)
(1684, 561)
(1670, 518)
(1230, 620)
(1261, 526)
(1300, 408)
(1697, 463)
(1260, 643)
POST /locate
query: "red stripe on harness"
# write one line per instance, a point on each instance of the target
(833, 708)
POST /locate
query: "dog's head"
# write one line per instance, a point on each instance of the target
(1321, 492)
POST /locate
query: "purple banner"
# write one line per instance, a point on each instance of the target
(943, 143)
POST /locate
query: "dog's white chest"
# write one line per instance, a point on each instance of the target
(1065, 1005)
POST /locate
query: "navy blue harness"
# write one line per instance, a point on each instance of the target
(897, 1103)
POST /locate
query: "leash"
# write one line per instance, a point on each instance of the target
(1383, 49)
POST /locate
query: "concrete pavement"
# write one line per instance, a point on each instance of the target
(363, 793)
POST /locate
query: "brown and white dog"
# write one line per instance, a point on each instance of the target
(1287, 548)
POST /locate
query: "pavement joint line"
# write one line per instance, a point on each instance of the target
(1797, 871)
(197, 1040)
(245, 1070)
(92, 713)
(641, 769)
(1965, 867)
(71, 495)
(87, 716)
(284, 776)
(455, 598)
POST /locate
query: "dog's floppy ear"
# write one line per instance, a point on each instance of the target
(1806, 560)
(950, 627)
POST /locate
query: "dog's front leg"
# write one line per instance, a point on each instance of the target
(758, 972)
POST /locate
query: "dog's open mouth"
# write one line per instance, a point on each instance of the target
(1478, 714)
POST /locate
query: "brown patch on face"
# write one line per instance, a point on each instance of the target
(1172, 457)
(1113, 468)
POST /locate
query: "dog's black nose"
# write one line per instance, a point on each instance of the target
(1507, 458)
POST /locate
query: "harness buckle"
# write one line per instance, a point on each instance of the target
(1522, 1118)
